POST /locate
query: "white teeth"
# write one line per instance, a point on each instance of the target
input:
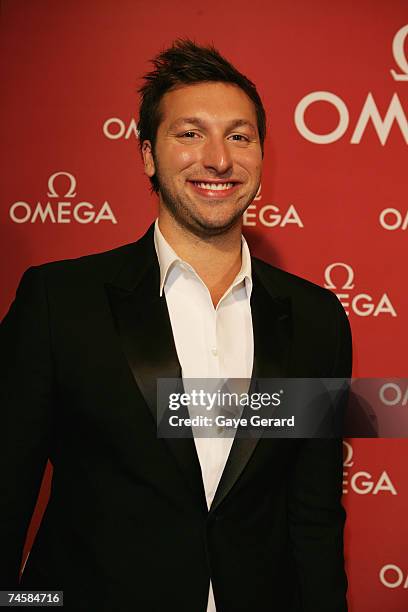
(215, 186)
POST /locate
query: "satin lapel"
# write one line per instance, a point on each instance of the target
(272, 330)
(143, 325)
(272, 326)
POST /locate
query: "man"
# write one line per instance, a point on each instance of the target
(137, 522)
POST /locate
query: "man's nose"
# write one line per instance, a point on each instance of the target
(217, 156)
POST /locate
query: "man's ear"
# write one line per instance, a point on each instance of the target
(148, 159)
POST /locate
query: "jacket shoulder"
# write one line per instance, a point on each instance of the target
(98, 267)
(321, 328)
(285, 284)
(95, 264)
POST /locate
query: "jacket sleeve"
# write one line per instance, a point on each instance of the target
(26, 393)
(316, 515)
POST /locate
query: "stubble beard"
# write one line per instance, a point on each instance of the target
(180, 210)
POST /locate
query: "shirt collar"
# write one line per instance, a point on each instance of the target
(168, 258)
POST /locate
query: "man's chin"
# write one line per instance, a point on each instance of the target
(213, 219)
(206, 227)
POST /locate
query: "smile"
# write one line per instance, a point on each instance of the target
(217, 186)
(214, 190)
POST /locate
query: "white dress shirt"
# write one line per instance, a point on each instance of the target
(210, 342)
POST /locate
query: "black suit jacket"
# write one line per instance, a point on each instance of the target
(127, 527)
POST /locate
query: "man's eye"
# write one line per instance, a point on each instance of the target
(188, 134)
(239, 137)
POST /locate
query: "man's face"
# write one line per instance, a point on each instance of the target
(207, 156)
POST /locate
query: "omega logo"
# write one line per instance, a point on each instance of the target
(114, 128)
(393, 219)
(70, 193)
(362, 482)
(270, 215)
(370, 112)
(361, 304)
(399, 55)
(63, 210)
(395, 112)
(347, 454)
(258, 193)
(391, 394)
(393, 577)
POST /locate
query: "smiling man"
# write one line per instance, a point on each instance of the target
(207, 158)
(137, 522)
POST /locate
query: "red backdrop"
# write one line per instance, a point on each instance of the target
(332, 208)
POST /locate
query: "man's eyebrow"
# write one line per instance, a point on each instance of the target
(242, 123)
(190, 120)
(202, 124)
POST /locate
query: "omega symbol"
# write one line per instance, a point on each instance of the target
(399, 55)
(72, 182)
(348, 454)
(349, 279)
(360, 304)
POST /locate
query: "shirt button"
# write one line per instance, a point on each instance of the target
(214, 351)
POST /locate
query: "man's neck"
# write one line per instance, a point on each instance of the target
(216, 259)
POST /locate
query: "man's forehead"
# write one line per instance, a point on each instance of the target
(201, 101)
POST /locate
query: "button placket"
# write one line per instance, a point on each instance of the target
(213, 341)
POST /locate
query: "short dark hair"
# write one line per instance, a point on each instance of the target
(186, 63)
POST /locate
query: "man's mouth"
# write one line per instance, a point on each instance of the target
(214, 189)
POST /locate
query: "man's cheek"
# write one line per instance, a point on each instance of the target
(187, 157)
